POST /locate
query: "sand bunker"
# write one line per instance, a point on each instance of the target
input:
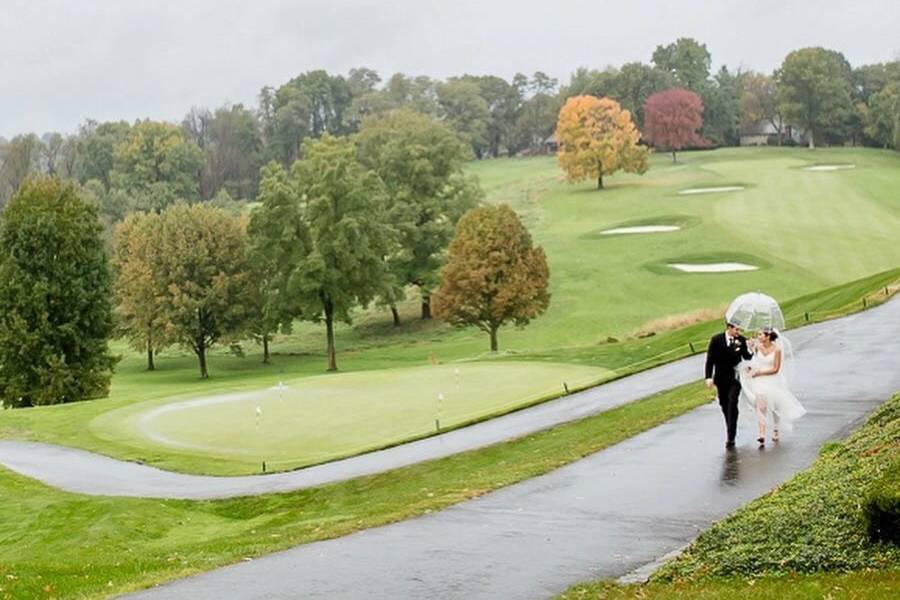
(713, 267)
(712, 190)
(829, 167)
(641, 229)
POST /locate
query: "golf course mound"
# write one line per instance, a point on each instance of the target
(317, 419)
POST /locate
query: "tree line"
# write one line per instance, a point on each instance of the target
(354, 220)
(360, 196)
(216, 155)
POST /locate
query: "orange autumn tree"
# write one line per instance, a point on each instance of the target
(494, 274)
(597, 137)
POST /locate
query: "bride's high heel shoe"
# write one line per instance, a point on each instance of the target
(762, 441)
(775, 436)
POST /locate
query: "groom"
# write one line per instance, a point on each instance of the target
(725, 351)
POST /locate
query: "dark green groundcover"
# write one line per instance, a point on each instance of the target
(815, 522)
(882, 507)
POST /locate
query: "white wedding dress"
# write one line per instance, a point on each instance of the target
(772, 389)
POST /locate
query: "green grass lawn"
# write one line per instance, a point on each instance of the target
(811, 525)
(320, 418)
(806, 230)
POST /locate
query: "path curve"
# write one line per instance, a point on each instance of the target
(599, 517)
(85, 472)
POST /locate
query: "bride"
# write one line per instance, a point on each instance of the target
(764, 386)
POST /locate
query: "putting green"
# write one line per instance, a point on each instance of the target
(316, 419)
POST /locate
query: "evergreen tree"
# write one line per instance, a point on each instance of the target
(55, 298)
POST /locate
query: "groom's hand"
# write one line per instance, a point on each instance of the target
(709, 383)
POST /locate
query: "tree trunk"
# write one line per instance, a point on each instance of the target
(426, 307)
(201, 354)
(812, 144)
(329, 334)
(266, 348)
(150, 365)
(600, 175)
(674, 158)
(493, 338)
(396, 315)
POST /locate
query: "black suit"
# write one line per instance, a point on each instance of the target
(721, 360)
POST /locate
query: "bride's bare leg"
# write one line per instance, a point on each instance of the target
(774, 426)
(761, 415)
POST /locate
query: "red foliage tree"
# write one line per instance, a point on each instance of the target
(672, 119)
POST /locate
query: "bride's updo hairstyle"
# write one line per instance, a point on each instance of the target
(771, 334)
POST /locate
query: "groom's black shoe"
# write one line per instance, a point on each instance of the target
(729, 445)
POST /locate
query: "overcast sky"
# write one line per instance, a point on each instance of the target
(64, 61)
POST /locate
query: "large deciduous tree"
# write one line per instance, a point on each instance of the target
(203, 263)
(55, 298)
(814, 91)
(634, 83)
(596, 138)
(882, 116)
(722, 108)
(309, 105)
(466, 111)
(231, 142)
(672, 120)
(156, 165)
(96, 143)
(494, 274)
(686, 60)
(139, 290)
(20, 158)
(420, 161)
(503, 101)
(759, 102)
(324, 228)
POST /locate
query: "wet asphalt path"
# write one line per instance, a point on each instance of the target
(599, 517)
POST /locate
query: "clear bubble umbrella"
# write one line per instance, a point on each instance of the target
(754, 311)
